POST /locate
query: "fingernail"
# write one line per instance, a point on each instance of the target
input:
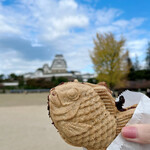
(129, 132)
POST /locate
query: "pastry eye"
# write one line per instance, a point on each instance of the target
(73, 94)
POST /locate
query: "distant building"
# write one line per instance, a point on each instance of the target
(57, 69)
(12, 84)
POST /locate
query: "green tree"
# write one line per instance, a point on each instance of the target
(92, 80)
(38, 84)
(148, 57)
(13, 77)
(110, 59)
(139, 75)
(136, 63)
(59, 80)
(129, 62)
(21, 81)
(1, 77)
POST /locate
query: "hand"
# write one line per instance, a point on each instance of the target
(139, 133)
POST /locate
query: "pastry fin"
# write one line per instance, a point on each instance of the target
(107, 98)
(71, 129)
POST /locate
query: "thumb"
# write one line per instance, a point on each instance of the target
(139, 133)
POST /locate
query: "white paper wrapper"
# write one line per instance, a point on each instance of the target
(140, 116)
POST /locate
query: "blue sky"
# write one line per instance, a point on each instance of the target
(33, 32)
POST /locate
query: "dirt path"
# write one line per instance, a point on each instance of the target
(25, 125)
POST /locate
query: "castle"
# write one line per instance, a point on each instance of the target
(57, 69)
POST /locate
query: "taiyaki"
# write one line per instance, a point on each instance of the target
(86, 115)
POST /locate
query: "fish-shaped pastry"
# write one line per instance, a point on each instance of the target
(86, 115)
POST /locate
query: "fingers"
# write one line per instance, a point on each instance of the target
(139, 133)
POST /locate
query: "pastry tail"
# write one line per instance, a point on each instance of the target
(122, 119)
(98, 149)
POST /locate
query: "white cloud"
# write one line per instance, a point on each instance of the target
(65, 4)
(61, 26)
(106, 16)
(121, 23)
(137, 21)
(6, 26)
(131, 24)
(70, 21)
(137, 47)
(13, 63)
(109, 28)
(121, 26)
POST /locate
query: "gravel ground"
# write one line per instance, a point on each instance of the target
(25, 125)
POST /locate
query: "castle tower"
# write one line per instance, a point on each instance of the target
(59, 64)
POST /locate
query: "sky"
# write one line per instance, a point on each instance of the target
(32, 32)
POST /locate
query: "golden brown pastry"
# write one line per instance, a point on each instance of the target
(86, 115)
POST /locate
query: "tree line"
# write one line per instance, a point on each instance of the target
(39, 83)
